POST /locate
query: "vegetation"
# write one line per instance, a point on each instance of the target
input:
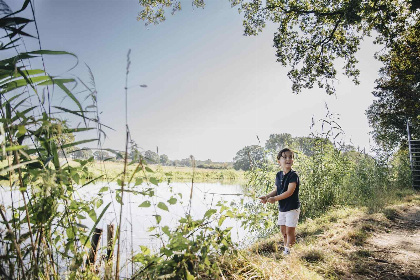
(397, 91)
(170, 173)
(312, 35)
(339, 244)
(43, 232)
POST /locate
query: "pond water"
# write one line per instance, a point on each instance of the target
(137, 220)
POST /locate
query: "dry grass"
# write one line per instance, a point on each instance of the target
(334, 246)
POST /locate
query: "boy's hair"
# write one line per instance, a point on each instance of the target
(283, 151)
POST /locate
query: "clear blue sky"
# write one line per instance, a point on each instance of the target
(211, 90)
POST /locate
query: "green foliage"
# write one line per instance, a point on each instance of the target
(335, 174)
(397, 92)
(249, 156)
(312, 35)
(45, 218)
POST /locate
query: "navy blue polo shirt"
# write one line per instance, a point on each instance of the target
(282, 183)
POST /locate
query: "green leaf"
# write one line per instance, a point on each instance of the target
(150, 229)
(118, 198)
(103, 189)
(145, 204)
(189, 275)
(145, 250)
(221, 220)
(69, 232)
(96, 223)
(148, 169)
(78, 143)
(172, 200)
(158, 218)
(166, 230)
(209, 213)
(15, 148)
(154, 181)
(21, 130)
(92, 215)
(139, 181)
(162, 206)
(13, 167)
(99, 203)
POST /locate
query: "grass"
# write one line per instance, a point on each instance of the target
(169, 173)
(332, 246)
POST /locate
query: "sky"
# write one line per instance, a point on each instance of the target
(210, 90)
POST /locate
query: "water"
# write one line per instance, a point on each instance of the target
(137, 220)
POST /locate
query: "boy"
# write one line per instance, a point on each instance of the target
(287, 194)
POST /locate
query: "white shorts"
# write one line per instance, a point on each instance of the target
(289, 218)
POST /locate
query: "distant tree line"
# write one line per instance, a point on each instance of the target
(149, 156)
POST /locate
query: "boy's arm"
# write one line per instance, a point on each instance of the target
(290, 189)
(271, 194)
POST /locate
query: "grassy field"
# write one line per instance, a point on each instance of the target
(170, 173)
(344, 243)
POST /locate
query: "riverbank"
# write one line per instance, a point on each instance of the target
(344, 243)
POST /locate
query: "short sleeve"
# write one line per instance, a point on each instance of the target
(293, 178)
(277, 180)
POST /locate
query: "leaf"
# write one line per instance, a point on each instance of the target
(103, 189)
(13, 167)
(158, 218)
(189, 275)
(96, 223)
(69, 232)
(221, 220)
(145, 250)
(166, 230)
(99, 203)
(21, 130)
(154, 181)
(118, 198)
(148, 169)
(78, 143)
(139, 181)
(92, 215)
(145, 204)
(172, 200)
(209, 213)
(15, 148)
(163, 206)
(150, 229)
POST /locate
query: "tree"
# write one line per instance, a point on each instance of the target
(247, 157)
(100, 155)
(151, 157)
(84, 153)
(276, 142)
(164, 160)
(313, 34)
(398, 91)
(185, 162)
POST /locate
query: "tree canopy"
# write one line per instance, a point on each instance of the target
(398, 91)
(247, 157)
(313, 34)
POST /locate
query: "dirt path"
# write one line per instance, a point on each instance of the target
(395, 248)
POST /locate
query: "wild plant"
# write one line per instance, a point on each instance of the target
(42, 232)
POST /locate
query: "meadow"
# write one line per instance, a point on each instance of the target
(170, 173)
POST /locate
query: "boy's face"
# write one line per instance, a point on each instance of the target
(286, 160)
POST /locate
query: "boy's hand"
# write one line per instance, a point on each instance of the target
(263, 199)
(271, 200)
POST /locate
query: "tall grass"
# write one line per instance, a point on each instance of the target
(336, 174)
